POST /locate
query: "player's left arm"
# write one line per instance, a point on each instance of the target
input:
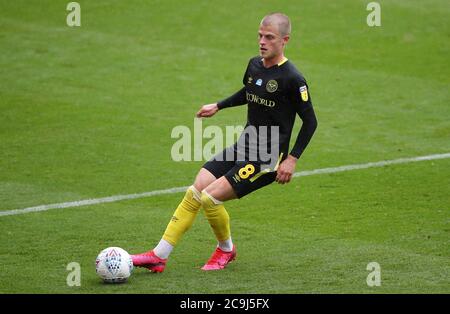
(303, 105)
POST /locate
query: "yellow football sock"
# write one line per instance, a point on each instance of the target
(184, 216)
(217, 216)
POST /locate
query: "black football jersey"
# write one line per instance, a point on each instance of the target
(275, 95)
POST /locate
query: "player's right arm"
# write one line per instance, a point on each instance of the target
(207, 111)
(236, 99)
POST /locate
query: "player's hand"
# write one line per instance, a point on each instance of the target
(286, 170)
(207, 111)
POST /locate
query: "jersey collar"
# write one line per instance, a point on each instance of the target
(279, 64)
(283, 61)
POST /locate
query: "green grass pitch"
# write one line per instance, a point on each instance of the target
(87, 112)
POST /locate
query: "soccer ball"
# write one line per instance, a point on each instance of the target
(114, 265)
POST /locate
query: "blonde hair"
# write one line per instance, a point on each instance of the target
(280, 20)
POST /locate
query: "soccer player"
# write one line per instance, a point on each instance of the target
(275, 92)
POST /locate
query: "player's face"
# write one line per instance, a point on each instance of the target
(271, 43)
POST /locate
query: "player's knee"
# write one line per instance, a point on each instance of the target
(193, 193)
(208, 201)
(204, 179)
(205, 199)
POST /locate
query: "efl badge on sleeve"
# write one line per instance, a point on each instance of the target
(304, 93)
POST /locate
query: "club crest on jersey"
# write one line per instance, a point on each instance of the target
(271, 86)
(304, 93)
(259, 82)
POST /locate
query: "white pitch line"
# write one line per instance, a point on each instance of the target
(371, 165)
(117, 198)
